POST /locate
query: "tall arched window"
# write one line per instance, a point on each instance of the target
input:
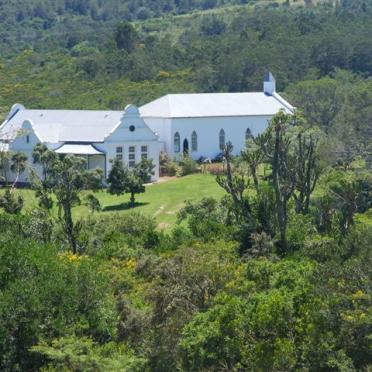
(248, 134)
(222, 139)
(194, 141)
(176, 143)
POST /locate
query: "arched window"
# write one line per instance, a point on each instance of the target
(194, 141)
(248, 134)
(222, 139)
(176, 143)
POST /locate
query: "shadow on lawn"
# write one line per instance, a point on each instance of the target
(122, 206)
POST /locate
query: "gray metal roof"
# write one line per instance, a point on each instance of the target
(55, 126)
(215, 104)
(78, 149)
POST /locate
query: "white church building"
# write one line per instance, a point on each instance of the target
(197, 124)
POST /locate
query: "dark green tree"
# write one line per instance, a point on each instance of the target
(10, 202)
(121, 179)
(125, 37)
(116, 178)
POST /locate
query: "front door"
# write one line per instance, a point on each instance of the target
(185, 147)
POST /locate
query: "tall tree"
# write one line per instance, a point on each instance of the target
(66, 176)
(18, 164)
(308, 169)
(125, 37)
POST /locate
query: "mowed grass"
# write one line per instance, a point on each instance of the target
(161, 200)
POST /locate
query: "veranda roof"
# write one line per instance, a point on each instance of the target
(78, 149)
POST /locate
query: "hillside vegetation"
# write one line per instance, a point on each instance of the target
(108, 64)
(266, 267)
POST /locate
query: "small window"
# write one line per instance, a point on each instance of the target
(132, 156)
(132, 128)
(222, 139)
(119, 157)
(248, 134)
(194, 142)
(176, 143)
(119, 150)
(27, 139)
(143, 152)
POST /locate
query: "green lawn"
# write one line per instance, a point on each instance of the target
(161, 200)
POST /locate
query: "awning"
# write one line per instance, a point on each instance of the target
(78, 149)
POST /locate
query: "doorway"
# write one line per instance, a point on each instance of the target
(185, 147)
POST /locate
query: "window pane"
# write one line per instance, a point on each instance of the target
(132, 164)
(222, 139)
(119, 157)
(176, 142)
(132, 156)
(119, 150)
(143, 148)
(194, 141)
(132, 149)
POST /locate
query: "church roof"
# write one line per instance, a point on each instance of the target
(55, 126)
(196, 105)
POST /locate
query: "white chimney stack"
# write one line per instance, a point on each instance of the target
(269, 83)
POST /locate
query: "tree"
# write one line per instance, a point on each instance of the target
(145, 169)
(308, 169)
(92, 203)
(18, 164)
(65, 176)
(116, 178)
(125, 37)
(121, 179)
(69, 176)
(275, 145)
(45, 158)
(11, 203)
(236, 186)
(133, 185)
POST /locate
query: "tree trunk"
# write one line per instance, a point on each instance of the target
(132, 200)
(280, 202)
(69, 227)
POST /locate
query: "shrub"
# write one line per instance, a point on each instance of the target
(216, 169)
(11, 203)
(167, 167)
(188, 166)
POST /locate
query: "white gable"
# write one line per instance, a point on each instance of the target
(131, 127)
(215, 105)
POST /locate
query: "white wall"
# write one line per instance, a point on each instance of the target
(208, 129)
(163, 128)
(25, 143)
(122, 136)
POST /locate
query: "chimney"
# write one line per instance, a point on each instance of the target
(269, 83)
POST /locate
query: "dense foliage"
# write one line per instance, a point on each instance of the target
(274, 276)
(223, 290)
